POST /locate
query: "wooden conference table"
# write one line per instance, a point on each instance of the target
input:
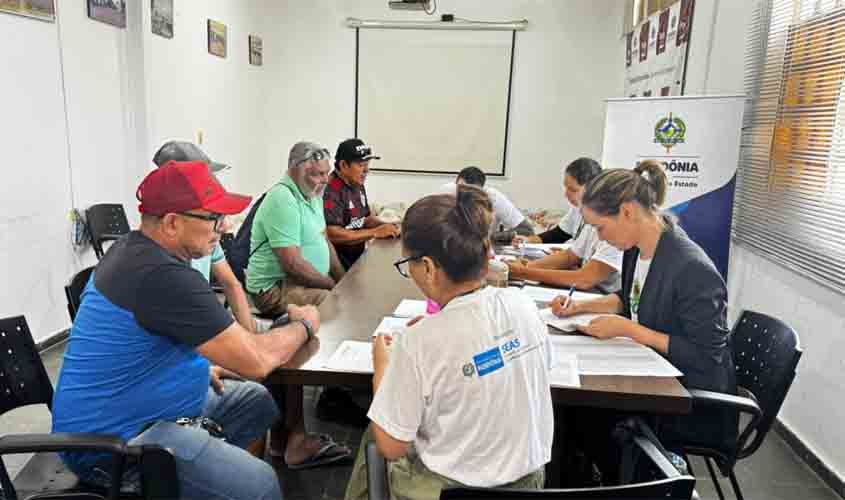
(373, 288)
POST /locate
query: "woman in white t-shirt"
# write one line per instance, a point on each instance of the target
(589, 262)
(461, 397)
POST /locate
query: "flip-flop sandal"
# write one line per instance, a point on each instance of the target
(329, 452)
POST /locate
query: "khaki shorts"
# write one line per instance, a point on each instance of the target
(274, 301)
(410, 479)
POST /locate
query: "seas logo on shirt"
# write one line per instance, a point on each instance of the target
(495, 358)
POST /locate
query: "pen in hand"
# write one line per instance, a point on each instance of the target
(569, 296)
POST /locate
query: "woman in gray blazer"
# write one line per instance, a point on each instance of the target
(672, 298)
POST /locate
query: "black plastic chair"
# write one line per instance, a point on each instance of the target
(23, 382)
(766, 352)
(640, 443)
(106, 222)
(74, 288)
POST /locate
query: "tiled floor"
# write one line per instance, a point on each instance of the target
(773, 473)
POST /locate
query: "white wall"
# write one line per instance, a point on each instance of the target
(565, 65)
(814, 408)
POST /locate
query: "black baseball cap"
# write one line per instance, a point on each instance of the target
(354, 150)
(185, 151)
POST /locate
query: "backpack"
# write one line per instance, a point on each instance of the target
(237, 249)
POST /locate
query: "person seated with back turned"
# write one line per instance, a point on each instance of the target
(214, 264)
(506, 217)
(349, 222)
(589, 263)
(154, 358)
(568, 226)
(672, 300)
(440, 414)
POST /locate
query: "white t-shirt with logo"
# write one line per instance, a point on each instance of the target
(640, 275)
(587, 246)
(469, 387)
(506, 213)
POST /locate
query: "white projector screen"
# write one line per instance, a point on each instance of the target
(434, 101)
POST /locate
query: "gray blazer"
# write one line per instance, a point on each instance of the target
(685, 297)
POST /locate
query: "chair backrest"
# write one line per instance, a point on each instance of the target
(23, 379)
(106, 221)
(74, 288)
(679, 487)
(766, 352)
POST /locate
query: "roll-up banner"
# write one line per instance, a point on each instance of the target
(696, 138)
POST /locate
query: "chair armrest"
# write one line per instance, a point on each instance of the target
(716, 399)
(377, 485)
(35, 443)
(656, 457)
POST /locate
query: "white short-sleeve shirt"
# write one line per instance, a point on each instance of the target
(469, 387)
(570, 222)
(587, 246)
(505, 212)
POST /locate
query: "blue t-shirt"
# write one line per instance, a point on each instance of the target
(130, 360)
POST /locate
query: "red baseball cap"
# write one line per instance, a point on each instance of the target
(179, 186)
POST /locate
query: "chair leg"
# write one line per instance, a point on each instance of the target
(714, 478)
(689, 465)
(735, 485)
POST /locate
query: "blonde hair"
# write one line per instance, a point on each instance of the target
(645, 184)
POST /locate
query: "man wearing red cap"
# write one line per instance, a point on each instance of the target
(155, 359)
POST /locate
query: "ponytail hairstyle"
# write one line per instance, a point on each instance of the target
(583, 170)
(452, 230)
(646, 185)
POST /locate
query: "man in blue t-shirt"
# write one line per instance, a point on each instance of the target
(151, 344)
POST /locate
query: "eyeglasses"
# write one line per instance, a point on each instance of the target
(217, 219)
(320, 154)
(402, 265)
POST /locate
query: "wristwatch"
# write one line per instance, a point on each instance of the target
(309, 329)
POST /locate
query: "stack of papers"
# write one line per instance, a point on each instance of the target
(543, 294)
(618, 356)
(391, 326)
(410, 308)
(564, 373)
(352, 356)
(548, 247)
(569, 324)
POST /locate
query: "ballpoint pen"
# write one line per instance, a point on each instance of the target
(569, 296)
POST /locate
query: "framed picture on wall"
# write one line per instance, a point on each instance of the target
(216, 38)
(108, 11)
(255, 50)
(36, 9)
(162, 17)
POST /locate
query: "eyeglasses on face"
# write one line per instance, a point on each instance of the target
(320, 154)
(217, 219)
(402, 265)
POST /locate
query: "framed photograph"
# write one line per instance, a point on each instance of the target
(255, 50)
(44, 10)
(216, 38)
(108, 11)
(162, 17)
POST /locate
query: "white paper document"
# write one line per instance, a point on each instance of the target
(543, 294)
(548, 247)
(569, 324)
(391, 326)
(618, 356)
(352, 356)
(410, 308)
(564, 373)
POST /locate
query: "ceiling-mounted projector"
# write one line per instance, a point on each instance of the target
(410, 4)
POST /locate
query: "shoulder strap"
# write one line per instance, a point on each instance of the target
(267, 240)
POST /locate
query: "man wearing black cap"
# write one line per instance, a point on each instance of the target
(349, 223)
(216, 262)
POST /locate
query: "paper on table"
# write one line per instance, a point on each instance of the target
(564, 373)
(543, 294)
(391, 326)
(410, 308)
(569, 324)
(548, 246)
(617, 356)
(352, 356)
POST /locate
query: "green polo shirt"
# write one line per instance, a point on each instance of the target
(286, 219)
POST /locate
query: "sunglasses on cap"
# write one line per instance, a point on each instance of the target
(320, 154)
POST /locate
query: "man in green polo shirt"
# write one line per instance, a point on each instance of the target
(292, 260)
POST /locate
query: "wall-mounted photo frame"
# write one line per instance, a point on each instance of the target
(216, 38)
(162, 17)
(256, 50)
(45, 10)
(108, 11)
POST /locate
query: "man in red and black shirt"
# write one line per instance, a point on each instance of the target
(349, 223)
